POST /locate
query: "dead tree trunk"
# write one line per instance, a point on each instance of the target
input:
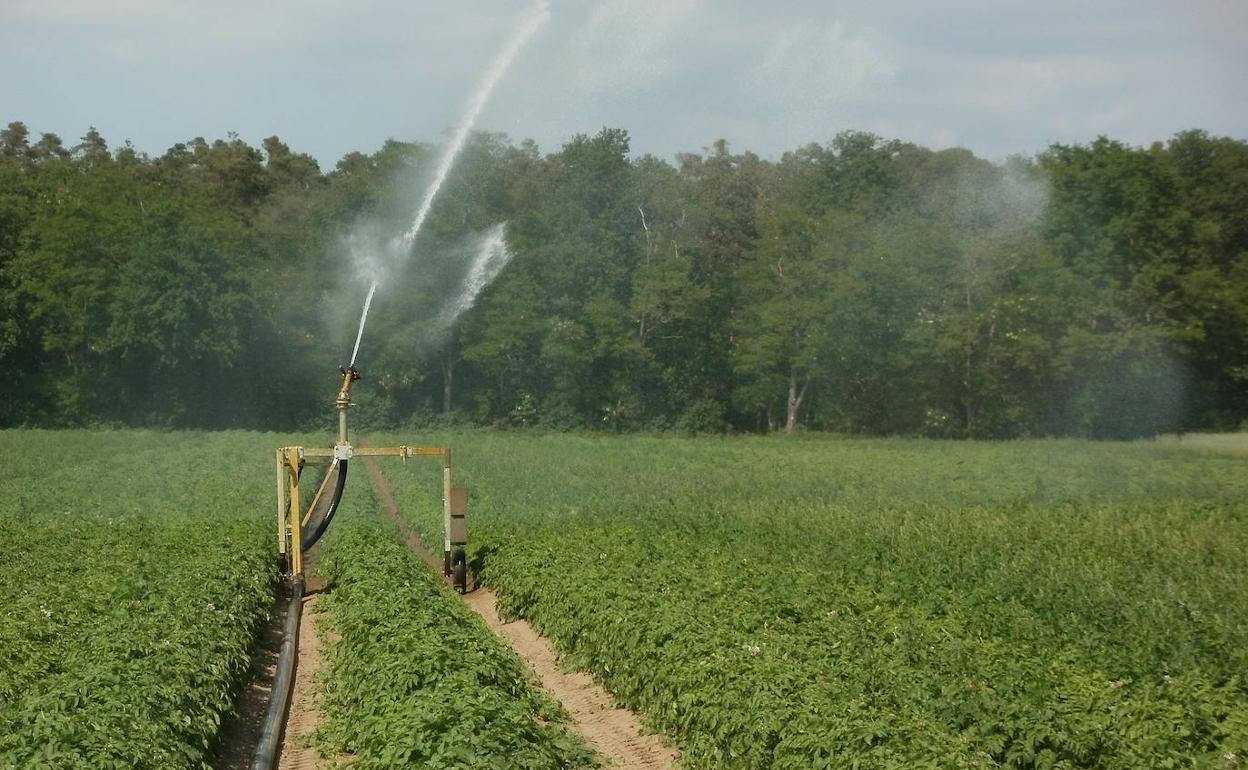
(794, 403)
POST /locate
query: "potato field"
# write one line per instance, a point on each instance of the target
(882, 604)
(760, 602)
(135, 568)
(414, 680)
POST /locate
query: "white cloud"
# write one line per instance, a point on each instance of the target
(822, 63)
(132, 29)
(86, 12)
(336, 75)
(625, 44)
(1011, 83)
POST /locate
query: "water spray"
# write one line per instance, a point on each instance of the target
(536, 18)
(401, 245)
(363, 317)
(491, 257)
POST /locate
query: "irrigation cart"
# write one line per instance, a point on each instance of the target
(310, 523)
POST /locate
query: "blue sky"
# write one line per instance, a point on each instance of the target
(331, 76)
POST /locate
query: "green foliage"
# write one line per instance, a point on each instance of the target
(865, 285)
(414, 678)
(137, 570)
(880, 604)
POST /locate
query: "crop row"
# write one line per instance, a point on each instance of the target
(136, 569)
(881, 604)
(413, 678)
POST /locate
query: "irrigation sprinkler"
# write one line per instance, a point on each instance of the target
(298, 529)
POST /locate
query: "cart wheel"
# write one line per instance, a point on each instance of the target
(460, 578)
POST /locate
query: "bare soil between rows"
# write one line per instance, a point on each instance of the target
(240, 732)
(615, 733)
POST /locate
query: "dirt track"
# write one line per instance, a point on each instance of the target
(304, 715)
(615, 733)
(241, 734)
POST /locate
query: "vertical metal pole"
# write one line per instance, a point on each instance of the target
(446, 511)
(343, 401)
(281, 505)
(296, 535)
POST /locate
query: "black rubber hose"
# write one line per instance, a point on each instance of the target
(279, 698)
(318, 529)
(320, 504)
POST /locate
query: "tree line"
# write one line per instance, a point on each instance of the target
(864, 285)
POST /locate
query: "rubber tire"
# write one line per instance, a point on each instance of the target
(460, 577)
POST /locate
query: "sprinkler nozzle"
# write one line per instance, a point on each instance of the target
(343, 401)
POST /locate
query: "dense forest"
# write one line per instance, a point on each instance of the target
(860, 286)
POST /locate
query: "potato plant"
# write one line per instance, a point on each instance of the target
(136, 568)
(880, 604)
(414, 679)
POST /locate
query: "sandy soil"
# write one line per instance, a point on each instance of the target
(615, 733)
(241, 733)
(305, 709)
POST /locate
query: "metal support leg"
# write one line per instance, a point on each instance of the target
(296, 538)
(281, 504)
(446, 511)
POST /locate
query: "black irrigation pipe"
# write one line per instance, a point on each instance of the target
(313, 531)
(279, 698)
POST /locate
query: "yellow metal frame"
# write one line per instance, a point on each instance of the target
(291, 460)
